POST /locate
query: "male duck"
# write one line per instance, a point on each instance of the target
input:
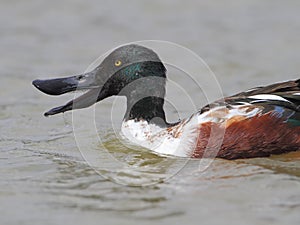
(255, 123)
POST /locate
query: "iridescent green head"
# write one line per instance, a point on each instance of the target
(132, 70)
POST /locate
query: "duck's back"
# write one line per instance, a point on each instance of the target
(259, 122)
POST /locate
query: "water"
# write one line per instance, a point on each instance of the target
(44, 178)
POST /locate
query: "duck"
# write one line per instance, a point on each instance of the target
(259, 122)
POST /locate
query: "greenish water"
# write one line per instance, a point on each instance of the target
(44, 177)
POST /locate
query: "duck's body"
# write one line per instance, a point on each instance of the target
(255, 123)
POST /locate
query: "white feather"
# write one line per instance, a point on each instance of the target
(268, 97)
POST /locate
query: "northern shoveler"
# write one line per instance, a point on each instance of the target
(255, 123)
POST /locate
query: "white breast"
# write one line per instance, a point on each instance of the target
(171, 141)
(180, 139)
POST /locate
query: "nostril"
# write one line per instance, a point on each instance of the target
(80, 77)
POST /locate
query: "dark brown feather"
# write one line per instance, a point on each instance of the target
(252, 137)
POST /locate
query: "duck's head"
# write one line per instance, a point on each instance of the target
(132, 70)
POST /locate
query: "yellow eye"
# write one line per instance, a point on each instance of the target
(118, 63)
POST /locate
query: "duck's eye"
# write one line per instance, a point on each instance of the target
(118, 63)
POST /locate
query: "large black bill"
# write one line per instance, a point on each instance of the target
(63, 85)
(56, 86)
(85, 100)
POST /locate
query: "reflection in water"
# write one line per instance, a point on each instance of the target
(141, 165)
(286, 164)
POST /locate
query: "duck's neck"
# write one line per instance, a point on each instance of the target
(148, 109)
(145, 96)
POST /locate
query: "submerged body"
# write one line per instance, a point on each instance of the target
(255, 123)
